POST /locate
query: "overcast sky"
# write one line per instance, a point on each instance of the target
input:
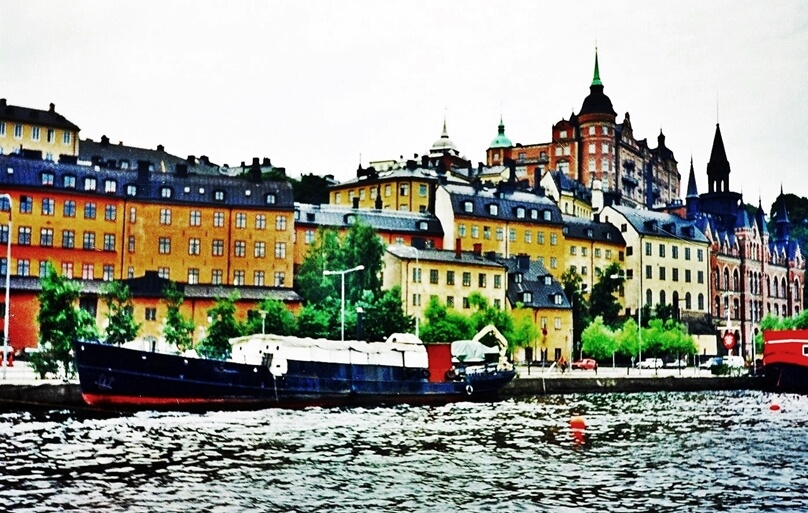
(315, 86)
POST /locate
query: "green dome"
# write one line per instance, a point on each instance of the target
(501, 140)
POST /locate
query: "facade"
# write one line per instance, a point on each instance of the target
(46, 134)
(593, 149)
(752, 272)
(591, 247)
(667, 260)
(96, 225)
(451, 276)
(421, 231)
(571, 196)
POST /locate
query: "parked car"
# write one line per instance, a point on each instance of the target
(710, 363)
(676, 364)
(650, 363)
(585, 364)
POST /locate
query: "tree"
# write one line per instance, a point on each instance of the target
(385, 315)
(324, 254)
(598, 340)
(572, 281)
(61, 322)
(121, 325)
(223, 327)
(178, 330)
(486, 314)
(318, 320)
(525, 332)
(362, 246)
(628, 341)
(444, 325)
(602, 300)
(311, 188)
(278, 319)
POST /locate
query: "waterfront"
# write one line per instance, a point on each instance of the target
(699, 451)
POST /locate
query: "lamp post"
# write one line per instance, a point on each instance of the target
(639, 313)
(263, 314)
(8, 288)
(342, 294)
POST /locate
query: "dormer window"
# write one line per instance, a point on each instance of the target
(271, 198)
(557, 299)
(47, 178)
(534, 214)
(69, 182)
(468, 206)
(493, 210)
(589, 232)
(423, 225)
(548, 280)
(517, 278)
(110, 186)
(547, 215)
(218, 195)
(89, 183)
(165, 192)
(527, 296)
(131, 190)
(520, 212)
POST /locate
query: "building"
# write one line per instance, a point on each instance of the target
(593, 149)
(591, 247)
(97, 224)
(571, 196)
(753, 273)
(45, 134)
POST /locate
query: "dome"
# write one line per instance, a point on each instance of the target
(501, 140)
(444, 144)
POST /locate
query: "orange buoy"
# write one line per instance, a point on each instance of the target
(577, 422)
(774, 407)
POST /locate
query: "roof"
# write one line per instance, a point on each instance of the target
(120, 156)
(145, 185)
(579, 228)
(574, 187)
(441, 255)
(597, 102)
(501, 140)
(48, 117)
(648, 222)
(380, 220)
(512, 204)
(536, 280)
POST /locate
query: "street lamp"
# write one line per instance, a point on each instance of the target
(8, 287)
(342, 294)
(263, 314)
(639, 312)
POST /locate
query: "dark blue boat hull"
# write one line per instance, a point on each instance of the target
(117, 377)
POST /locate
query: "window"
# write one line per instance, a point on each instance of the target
(131, 244)
(450, 277)
(647, 249)
(674, 251)
(216, 277)
(47, 178)
(592, 147)
(520, 212)
(24, 236)
(422, 190)
(26, 204)
(69, 209)
(280, 250)
(165, 216)
(67, 270)
(48, 206)
(87, 271)
(662, 273)
(109, 242)
(528, 236)
(416, 275)
(475, 231)
(700, 277)
(4, 234)
(687, 253)
(68, 239)
(675, 274)
(648, 272)
(89, 210)
(433, 276)
(500, 233)
(194, 246)
(240, 248)
(131, 190)
(700, 255)
(584, 270)
(238, 277)
(527, 297)
(260, 249)
(218, 247)
(468, 206)
(66, 137)
(110, 212)
(584, 251)
(387, 190)
(151, 314)
(497, 281)
(46, 237)
(241, 220)
(51, 135)
(271, 198)
(404, 189)
(512, 234)
(108, 272)
(90, 183)
(18, 131)
(493, 209)
(132, 215)
(130, 272)
(662, 250)
(165, 192)
(553, 262)
(110, 186)
(540, 237)
(487, 232)
(450, 301)
(89, 240)
(164, 272)
(416, 299)
(2, 128)
(573, 250)
(218, 219)
(280, 223)
(467, 279)
(466, 302)
(261, 222)
(280, 279)
(553, 239)
(607, 254)
(482, 278)
(23, 267)
(195, 218)
(258, 278)
(193, 276)
(308, 236)
(164, 245)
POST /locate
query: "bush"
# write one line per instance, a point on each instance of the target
(43, 364)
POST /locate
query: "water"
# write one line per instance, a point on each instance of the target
(713, 451)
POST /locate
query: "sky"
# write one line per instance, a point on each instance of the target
(322, 86)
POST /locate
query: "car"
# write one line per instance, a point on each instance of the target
(650, 363)
(585, 364)
(734, 362)
(710, 363)
(676, 364)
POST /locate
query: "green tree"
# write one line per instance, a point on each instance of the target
(602, 300)
(178, 330)
(121, 325)
(628, 339)
(311, 189)
(485, 314)
(572, 281)
(525, 332)
(223, 327)
(324, 254)
(444, 324)
(319, 320)
(61, 322)
(599, 341)
(279, 320)
(362, 246)
(385, 315)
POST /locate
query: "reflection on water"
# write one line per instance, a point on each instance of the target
(715, 451)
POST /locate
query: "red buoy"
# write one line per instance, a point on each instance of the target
(774, 407)
(577, 422)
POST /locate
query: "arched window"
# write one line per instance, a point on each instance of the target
(796, 291)
(688, 301)
(783, 289)
(649, 298)
(736, 280)
(776, 288)
(776, 310)
(726, 279)
(662, 298)
(701, 301)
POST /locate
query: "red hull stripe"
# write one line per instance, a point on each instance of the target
(99, 399)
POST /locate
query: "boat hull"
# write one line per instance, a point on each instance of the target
(112, 376)
(785, 361)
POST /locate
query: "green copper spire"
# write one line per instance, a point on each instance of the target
(596, 78)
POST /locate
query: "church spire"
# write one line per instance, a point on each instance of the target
(782, 226)
(596, 77)
(692, 190)
(718, 168)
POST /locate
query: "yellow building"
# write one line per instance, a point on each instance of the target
(591, 247)
(45, 133)
(667, 260)
(451, 276)
(407, 189)
(502, 220)
(572, 197)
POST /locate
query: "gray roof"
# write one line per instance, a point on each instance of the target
(536, 280)
(120, 156)
(508, 200)
(443, 255)
(579, 228)
(380, 220)
(49, 118)
(649, 222)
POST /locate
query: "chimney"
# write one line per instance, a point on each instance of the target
(378, 203)
(424, 161)
(433, 190)
(491, 255)
(255, 171)
(143, 170)
(478, 249)
(523, 262)
(160, 147)
(52, 107)
(191, 160)
(458, 249)
(204, 160)
(536, 177)
(104, 140)
(411, 165)
(266, 162)
(3, 102)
